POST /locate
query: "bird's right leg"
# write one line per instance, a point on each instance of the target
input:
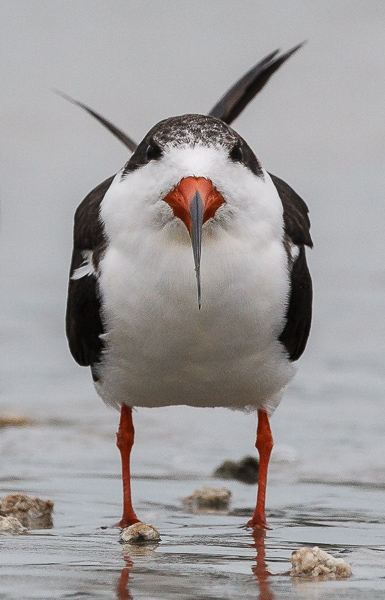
(264, 445)
(125, 441)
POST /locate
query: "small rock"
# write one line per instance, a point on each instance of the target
(245, 470)
(208, 499)
(14, 420)
(313, 562)
(139, 533)
(32, 513)
(10, 525)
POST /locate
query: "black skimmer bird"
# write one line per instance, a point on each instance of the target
(132, 313)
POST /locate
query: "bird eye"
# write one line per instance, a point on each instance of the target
(153, 151)
(236, 153)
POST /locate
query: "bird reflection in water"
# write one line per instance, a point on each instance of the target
(260, 568)
(137, 551)
(122, 591)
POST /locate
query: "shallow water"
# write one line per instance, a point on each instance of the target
(74, 462)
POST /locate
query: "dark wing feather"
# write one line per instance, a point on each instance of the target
(83, 319)
(118, 133)
(299, 311)
(295, 213)
(245, 89)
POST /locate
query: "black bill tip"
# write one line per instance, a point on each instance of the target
(196, 213)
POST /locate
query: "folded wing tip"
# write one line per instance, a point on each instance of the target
(249, 85)
(118, 133)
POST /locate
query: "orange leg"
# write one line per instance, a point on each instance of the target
(264, 445)
(125, 441)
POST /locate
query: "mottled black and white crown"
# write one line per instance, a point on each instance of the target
(192, 130)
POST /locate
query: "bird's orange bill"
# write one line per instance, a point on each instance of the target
(195, 200)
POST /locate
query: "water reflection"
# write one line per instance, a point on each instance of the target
(260, 568)
(122, 591)
(137, 551)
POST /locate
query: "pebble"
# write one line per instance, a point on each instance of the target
(314, 562)
(10, 526)
(14, 420)
(32, 513)
(245, 470)
(139, 533)
(208, 499)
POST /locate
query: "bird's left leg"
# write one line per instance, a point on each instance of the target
(264, 445)
(125, 441)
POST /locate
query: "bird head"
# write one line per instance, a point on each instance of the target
(191, 174)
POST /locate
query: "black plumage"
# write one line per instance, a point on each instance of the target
(245, 89)
(84, 324)
(123, 137)
(299, 310)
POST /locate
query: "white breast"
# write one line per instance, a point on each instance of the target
(161, 350)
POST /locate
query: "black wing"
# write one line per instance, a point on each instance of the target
(245, 89)
(297, 231)
(84, 324)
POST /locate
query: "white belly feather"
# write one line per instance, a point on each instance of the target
(161, 350)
